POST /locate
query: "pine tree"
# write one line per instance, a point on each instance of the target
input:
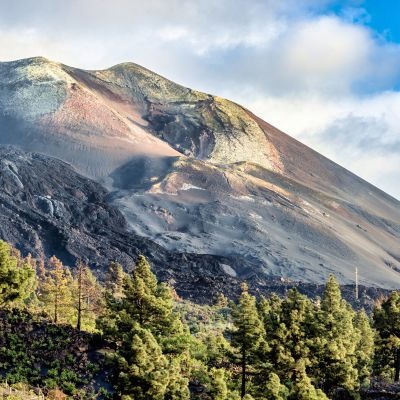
(147, 304)
(336, 342)
(17, 276)
(218, 387)
(55, 292)
(178, 384)
(274, 390)
(248, 332)
(303, 388)
(87, 297)
(151, 304)
(221, 301)
(114, 280)
(387, 323)
(143, 369)
(365, 347)
(289, 325)
(112, 301)
(41, 270)
(145, 300)
(217, 347)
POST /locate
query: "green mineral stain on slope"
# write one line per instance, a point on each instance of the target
(35, 88)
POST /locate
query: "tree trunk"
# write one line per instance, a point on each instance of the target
(397, 365)
(243, 391)
(56, 307)
(79, 323)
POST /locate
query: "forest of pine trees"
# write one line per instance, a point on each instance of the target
(155, 346)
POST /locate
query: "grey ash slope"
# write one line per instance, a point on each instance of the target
(199, 174)
(46, 209)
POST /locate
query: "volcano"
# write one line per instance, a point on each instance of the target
(205, 188)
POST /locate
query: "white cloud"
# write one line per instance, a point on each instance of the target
(326, 52)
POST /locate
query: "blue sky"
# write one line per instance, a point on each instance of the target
(327, 72)
(381, 15)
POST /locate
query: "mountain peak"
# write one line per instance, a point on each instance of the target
(37, 60)
(129, 98)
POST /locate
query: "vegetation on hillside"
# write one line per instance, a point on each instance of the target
(61, 331)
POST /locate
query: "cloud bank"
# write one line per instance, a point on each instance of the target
(321, 76)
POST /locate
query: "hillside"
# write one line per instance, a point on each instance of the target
(196, 174)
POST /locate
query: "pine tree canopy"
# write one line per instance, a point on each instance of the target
(17, 276)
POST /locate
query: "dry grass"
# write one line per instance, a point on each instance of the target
(22, 392)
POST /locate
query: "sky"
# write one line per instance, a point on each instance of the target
(324, 71)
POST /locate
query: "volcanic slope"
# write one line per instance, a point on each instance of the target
(199, 174)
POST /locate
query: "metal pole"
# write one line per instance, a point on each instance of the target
(356, 283)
